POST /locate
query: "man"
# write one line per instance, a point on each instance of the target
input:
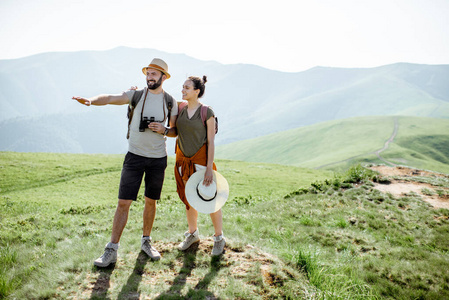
(146, 154)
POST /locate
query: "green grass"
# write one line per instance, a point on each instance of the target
(336, 145)
(306, 234)
(58, 205)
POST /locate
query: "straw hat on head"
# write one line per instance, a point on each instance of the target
(157, 64)
(206, 199)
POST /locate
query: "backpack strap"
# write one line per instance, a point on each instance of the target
(181, 105)
(132, 105)
(136, 97)
(204, 113)
(169, 102)
(204, 117)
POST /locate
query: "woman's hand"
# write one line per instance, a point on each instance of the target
(208, 177)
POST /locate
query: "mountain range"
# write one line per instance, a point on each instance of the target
(38, 115)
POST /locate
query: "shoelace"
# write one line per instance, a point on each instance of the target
(107, 252)
(190, 237)
(147, 244)
(217, 244)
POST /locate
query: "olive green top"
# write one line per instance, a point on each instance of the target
(192, 132)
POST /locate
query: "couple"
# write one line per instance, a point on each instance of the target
(147, 155)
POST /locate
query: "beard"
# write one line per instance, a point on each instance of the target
(152, 85)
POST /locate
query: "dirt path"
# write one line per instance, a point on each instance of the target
(402, 183)
(387, 143)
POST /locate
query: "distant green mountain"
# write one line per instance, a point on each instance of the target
(419, 142)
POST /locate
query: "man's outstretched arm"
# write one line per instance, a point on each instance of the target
(103, 100)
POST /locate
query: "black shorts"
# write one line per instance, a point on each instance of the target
(134, 167)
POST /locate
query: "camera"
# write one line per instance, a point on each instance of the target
(144, 123)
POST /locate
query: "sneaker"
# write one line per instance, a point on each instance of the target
(191, 238)
(149, 250)
(219, 243)
(109, 256)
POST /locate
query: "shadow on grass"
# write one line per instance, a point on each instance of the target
(102, 284)
(201, 287)
(186, 270)
(200, 290)
(131, 289)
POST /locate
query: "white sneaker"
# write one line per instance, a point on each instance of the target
(109, 256)
(191, 238)
(148, 249)
(219, 243)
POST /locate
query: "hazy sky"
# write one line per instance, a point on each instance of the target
(282, 35)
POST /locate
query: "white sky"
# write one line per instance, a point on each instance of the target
(281, 35)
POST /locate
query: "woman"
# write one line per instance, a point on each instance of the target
(195, 151)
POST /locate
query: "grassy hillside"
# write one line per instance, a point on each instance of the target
(292, 233)
(420, 143)
(315, 145)
(334, 236)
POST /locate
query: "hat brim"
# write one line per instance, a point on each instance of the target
(155, 67)
(202, 206)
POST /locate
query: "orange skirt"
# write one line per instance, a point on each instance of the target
(187, 165)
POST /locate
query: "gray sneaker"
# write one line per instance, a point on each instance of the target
(219, 243)
(109, 256)
(149, 250)
(191, 238)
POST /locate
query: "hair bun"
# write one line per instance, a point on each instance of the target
(204, 78)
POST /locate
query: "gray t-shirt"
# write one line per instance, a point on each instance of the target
(148, 143)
